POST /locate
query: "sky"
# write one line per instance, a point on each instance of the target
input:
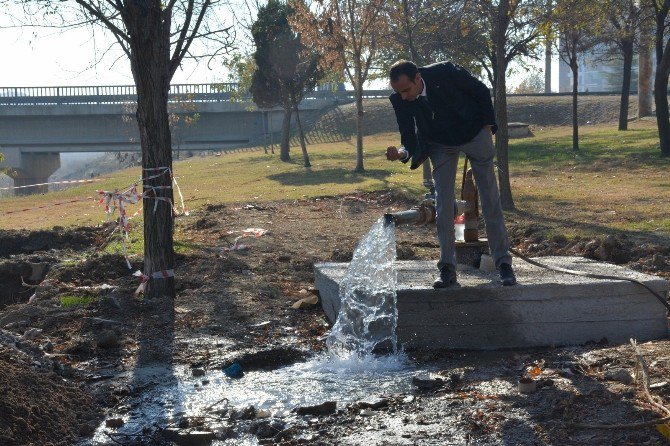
(50, 57)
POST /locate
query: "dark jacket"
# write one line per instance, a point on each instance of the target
(458, 106)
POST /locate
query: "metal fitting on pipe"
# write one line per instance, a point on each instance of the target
(423, 214)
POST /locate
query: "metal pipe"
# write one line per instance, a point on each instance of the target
(419, 215)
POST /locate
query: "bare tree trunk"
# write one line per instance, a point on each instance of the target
(645, 72)
(625, 87)
(547, 55)
(661, 99)
(410, 35)
(150, 55)
(301, 136)
(575, 122)
(359, 128)
(285, 142)
(500, 86)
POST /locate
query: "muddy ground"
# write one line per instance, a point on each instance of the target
(71, 331)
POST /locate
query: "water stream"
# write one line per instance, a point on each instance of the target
(347, 372)
(368, 315)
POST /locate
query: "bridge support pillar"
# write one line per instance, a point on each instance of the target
(34, 168)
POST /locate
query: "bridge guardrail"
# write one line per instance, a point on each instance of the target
(179, 93)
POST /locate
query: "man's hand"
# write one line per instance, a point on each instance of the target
(394, 154)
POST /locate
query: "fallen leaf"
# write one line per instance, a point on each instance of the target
(664, 429)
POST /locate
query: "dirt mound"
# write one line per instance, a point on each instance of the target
(40, 408)
(94, 270)
(27, 242)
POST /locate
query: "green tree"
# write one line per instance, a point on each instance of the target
(286, 69)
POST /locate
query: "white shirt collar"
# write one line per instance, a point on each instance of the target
(423, 93)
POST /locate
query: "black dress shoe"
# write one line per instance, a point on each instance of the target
(447, 278)
(507, 276)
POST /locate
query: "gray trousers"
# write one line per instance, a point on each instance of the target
(444, 158)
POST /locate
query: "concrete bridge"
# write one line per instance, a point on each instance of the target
(39, 123)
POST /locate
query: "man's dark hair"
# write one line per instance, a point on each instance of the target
(403, 67)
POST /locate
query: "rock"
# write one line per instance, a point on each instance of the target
(188, 438)
(266, 428)
(527, 385)
(327, 408)
(610, 242)
(198, 372)
(32, 333)
(114, 423)
(620, 375)
(248, 413)
(409, 399)
(367, 412)
(404, 252)
(559, 239)
(107, 339)
(39, 272)
(48, 347)
(658, 260)
(601, 254)
(426, 382)
(263, 414)
(183, 423)
(592, 245)
(373, 403)
(306, 302)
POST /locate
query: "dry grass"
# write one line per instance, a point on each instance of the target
(617, 180)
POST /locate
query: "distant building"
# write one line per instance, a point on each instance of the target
(596, 74)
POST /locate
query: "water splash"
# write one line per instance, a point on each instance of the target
(368, 315)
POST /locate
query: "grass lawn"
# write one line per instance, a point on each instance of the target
(617, 181)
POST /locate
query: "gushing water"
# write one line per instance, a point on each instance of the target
(368, 315)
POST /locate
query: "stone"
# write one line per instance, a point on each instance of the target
(266, 428)
(32, 333)
(114, 423)
(188, 438)
(306, 302)
(39, 272)
(427, 382)
(367, 412)
(620, 375)
(327, 408)
(372, 403)
(198, 372)
(546, 308)
(107, 339)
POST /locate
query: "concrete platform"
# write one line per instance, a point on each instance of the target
(544, 309)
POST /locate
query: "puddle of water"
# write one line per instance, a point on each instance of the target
(171, 395)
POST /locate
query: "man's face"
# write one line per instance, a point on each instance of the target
(408, 88)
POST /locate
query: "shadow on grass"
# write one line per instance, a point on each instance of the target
(325, 176)
(591, 228)
(635, 148)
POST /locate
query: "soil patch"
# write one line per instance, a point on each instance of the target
(236, 306)
(39, 407)
(27, 242)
